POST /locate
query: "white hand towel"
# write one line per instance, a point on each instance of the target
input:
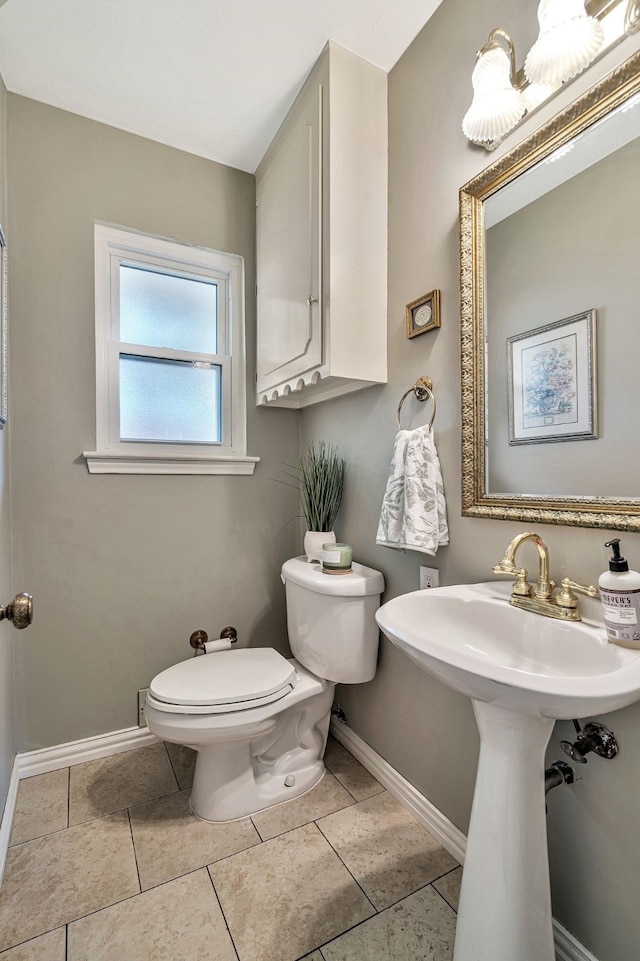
(414, 511)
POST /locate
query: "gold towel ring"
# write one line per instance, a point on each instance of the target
(423, 391)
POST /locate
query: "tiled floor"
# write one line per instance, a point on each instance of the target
(106, 863)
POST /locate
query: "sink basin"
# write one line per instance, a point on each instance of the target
(473, 640)
(522, 671)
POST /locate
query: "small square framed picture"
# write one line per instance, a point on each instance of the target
(423, 314)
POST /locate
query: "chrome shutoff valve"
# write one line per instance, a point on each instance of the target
(593, 737)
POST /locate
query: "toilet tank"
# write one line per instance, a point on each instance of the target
(331, 620)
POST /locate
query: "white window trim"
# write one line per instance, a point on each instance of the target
(112, 456)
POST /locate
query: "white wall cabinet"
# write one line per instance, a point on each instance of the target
(321, 193)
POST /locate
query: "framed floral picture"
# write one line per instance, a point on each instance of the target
(423, 314)
(552, 385)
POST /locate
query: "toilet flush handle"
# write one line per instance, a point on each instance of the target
(19, 611)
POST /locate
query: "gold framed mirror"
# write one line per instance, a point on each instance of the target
(548, 234)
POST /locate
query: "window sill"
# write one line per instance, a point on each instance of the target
(108, 462)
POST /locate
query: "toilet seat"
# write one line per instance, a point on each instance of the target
(224, 682)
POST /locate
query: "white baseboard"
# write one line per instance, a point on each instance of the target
(61, 756)
(428, 815)
(88, 749)
(567, 947)
(7, 815)
(450, 837)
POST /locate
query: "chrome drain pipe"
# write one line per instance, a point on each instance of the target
(559, 773)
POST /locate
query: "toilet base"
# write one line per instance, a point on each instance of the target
(248, 761)
(236, 778)
(216, 799)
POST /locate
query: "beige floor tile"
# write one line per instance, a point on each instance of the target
(183, 760)
(316, 956)
(385, 848)
(351, 774)
(288, 896)
(42, 806)
(420, 928)
(170, 840)
(48, 947)
(58, 878)
(449, 887)
(325, 798)
(116, 782)
(178, 921)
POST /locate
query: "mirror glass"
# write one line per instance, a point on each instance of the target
(551, 334)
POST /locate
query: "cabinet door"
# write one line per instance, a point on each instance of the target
(289, 249)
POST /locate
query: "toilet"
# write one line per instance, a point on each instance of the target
(258, 720)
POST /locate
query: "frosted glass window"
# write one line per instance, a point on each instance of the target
(161, 310)
(170, 401)
(170, 357)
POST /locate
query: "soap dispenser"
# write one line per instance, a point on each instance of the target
(620, 595)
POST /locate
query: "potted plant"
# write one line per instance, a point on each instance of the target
(320, 475)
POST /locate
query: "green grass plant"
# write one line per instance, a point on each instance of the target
(320, 479)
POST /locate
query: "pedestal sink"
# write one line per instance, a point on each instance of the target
(522, 671)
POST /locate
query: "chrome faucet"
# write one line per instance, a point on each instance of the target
(541, 599)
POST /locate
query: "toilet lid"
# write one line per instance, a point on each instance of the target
(227, 677)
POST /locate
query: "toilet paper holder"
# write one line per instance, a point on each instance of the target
(199, 638)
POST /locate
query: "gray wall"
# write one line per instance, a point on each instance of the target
(555, 258)
(7, 635)
(422, 729)
(122, 568)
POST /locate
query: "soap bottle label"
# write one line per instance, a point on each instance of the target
(622, 615)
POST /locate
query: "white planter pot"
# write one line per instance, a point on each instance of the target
(313, 541)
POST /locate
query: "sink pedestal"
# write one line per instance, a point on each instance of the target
(515, 666)
(505, 900)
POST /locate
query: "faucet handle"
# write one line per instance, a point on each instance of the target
(566, 598)
(522, 587)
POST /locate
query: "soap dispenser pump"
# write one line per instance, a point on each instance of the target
(620, 595)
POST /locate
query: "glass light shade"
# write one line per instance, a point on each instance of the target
(568, 41)
(536, 93)
(632, 17)
(497, 106)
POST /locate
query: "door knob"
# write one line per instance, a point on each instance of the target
(19, 611)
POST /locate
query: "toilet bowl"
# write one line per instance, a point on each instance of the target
(258, 720)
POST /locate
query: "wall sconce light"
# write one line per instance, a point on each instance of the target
(536, 93)
(497, 104)
(632, 17)
(568, 42)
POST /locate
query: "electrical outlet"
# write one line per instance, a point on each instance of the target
(429, 577)
(142, 697)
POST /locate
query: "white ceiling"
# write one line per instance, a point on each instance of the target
(213, 77)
